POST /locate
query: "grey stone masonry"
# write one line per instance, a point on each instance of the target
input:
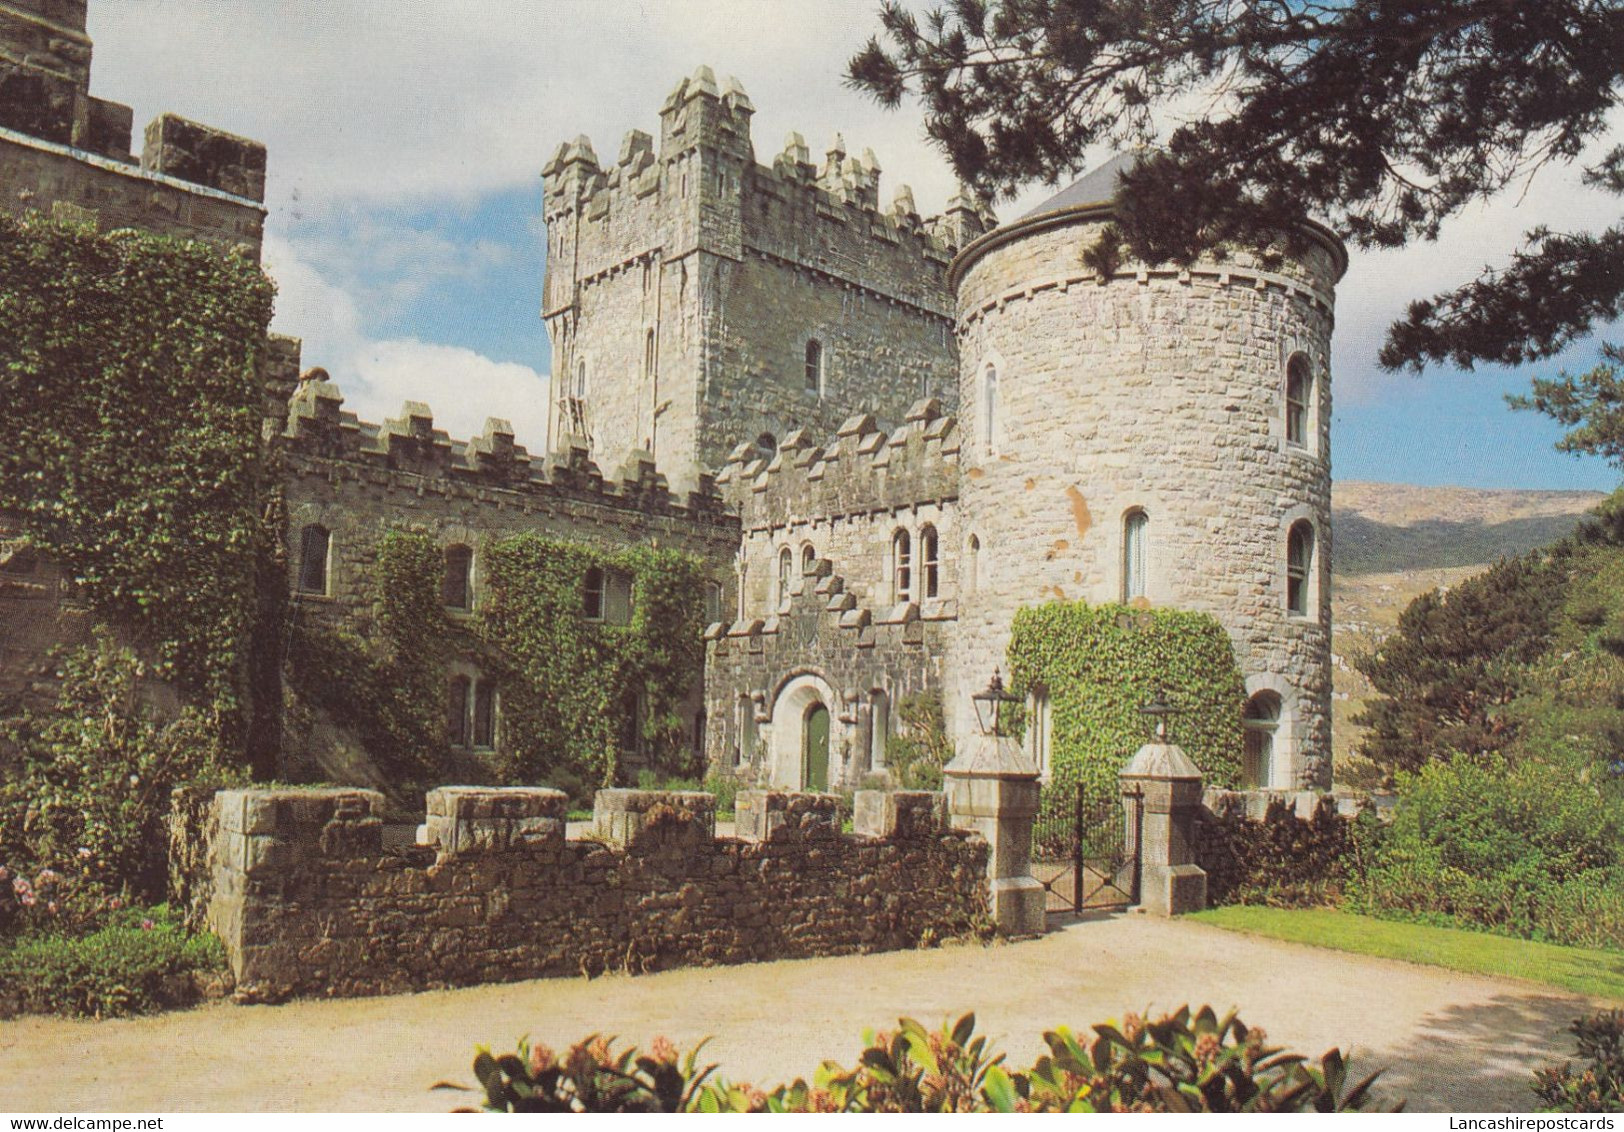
(992, 788)
(1166, 787)
(685, 282)
(66, 151)
(308, 902)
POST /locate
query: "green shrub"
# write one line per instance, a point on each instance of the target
(916, 753)
(1100, 664)
(1599, 1086)
(89, 795)
(142, 960)
(130, 404)
(726, 787)
(1285, 861)
(1180, 1063)
(1526, 849)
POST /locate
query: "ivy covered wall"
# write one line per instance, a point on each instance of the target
(130, 440)
(1099, 664)
(569, 684)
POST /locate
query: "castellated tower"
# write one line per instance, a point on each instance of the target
(1156, 437)
(697, 300)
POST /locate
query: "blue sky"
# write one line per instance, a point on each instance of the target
(406, 141)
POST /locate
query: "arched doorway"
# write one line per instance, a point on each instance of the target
(801, 712)
(815, 748)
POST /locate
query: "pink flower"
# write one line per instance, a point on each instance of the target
(46, 876)
(146, 925)
(115, 904)
(29, 900)
(5, 873)
(21, 886)
(52, 908)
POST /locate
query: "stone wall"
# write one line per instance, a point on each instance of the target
(308, 903)
(688, 279)
(359, 480)
(64, 150)
(1160, 391)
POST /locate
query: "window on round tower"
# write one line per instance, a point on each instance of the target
(1261, 721)
(1135, 525)
(814, 366)
(1299, 568)
(1299, 400)
(989, 406)
(580, 379)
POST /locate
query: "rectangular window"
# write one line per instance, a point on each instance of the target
(617, 598)
(314, 544)
(485, 714)
(457, 713)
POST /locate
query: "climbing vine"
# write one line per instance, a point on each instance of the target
(130, 410)
(1101, 663)
(567, 682)
(570, 680)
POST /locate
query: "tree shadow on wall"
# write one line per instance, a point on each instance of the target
(1476, 1058)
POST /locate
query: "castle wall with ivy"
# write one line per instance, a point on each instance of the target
(307, 901)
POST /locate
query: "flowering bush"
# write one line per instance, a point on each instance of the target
(1182, 1062)
(1597, 1087)
(87, 802)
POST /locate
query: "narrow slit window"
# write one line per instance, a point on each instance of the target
(456, 586)
(901, 568)
(485, 714)
(814, 366)
(1134, 528)
(315, 544)
(786, 567)
(929, 561)
(592, 595)
(1299, 396)
(1299, 568)
(989, 406)
(457, 711)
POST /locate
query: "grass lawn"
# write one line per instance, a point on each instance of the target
(1579, 969)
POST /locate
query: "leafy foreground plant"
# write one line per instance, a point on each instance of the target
(1598, 1087)
(1179, 1063)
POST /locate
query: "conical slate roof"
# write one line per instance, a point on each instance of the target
(1097, 186)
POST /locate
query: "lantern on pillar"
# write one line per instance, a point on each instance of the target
(1157, 711)
(991, 705)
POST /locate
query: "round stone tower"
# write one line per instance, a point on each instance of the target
(1159, 437)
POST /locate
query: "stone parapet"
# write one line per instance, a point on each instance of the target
(493, 819)
(319, 431)
(903, 814)
(861, 469)
(317, 907)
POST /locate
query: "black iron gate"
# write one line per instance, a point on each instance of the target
(1086, 855)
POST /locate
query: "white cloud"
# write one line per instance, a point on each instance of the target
(462, 387)
(369, 106)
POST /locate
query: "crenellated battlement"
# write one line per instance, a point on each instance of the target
(861, 470)
(63, 149)
(409, 448)
(668, 198)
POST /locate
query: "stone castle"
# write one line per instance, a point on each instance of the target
(882, 434)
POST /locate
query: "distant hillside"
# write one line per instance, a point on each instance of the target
(1381, 528)
(1392, 542)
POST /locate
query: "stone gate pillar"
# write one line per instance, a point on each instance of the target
(992, 788)
(1167, 786)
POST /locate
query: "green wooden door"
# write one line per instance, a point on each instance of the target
(815, 748)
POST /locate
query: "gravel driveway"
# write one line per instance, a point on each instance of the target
(1450, 1042)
